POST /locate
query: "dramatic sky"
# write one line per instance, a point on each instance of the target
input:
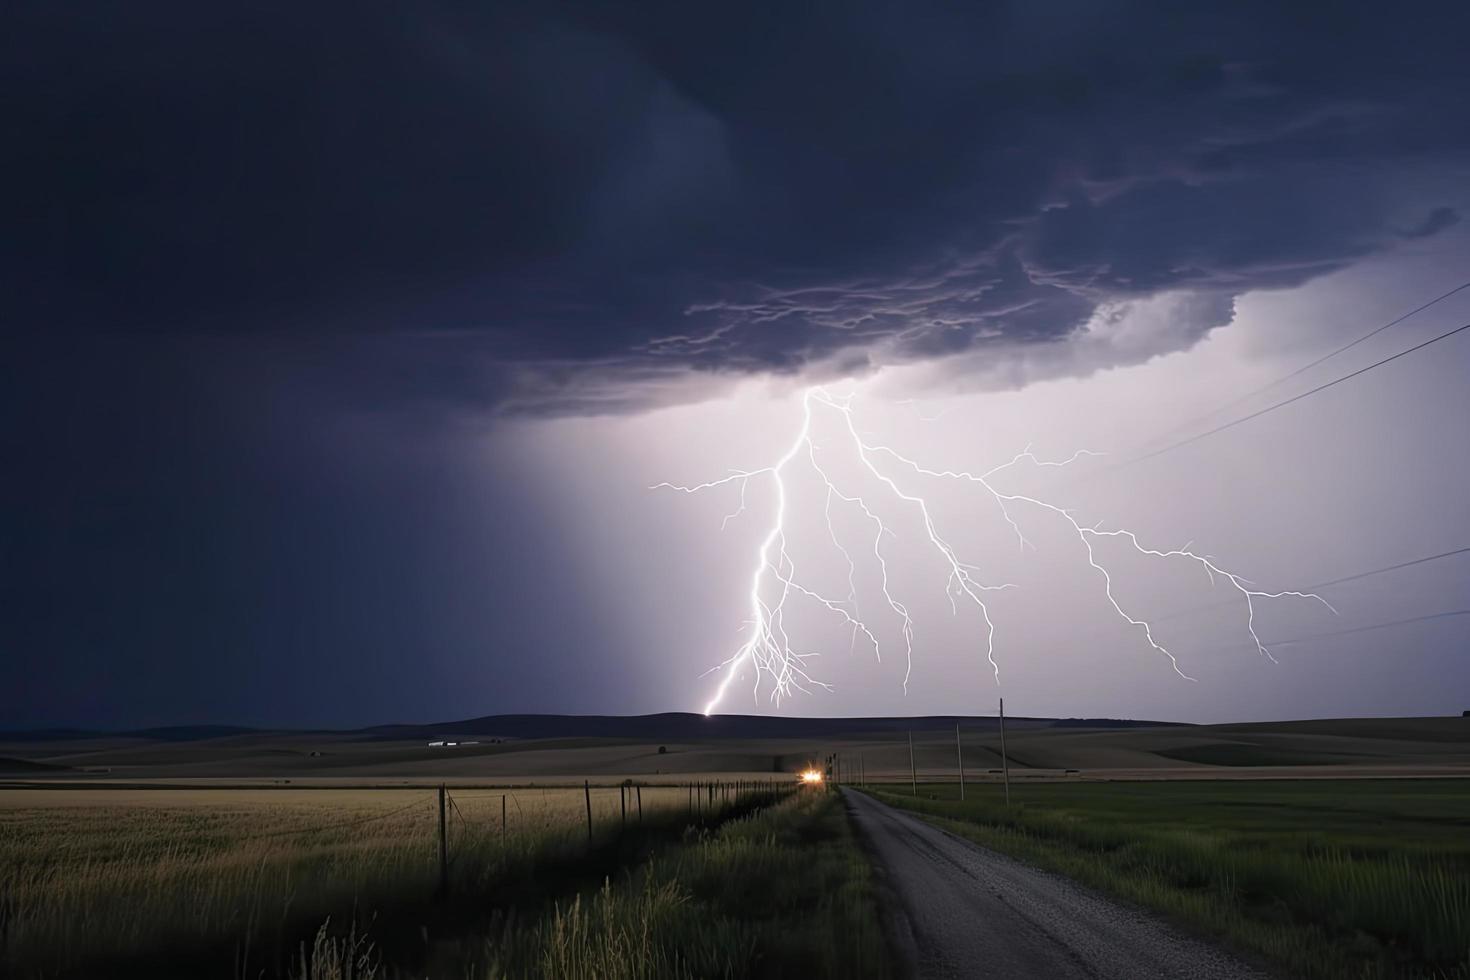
(340, 345)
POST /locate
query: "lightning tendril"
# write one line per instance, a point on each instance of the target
(775, 585)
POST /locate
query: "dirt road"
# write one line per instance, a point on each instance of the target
(963, 911)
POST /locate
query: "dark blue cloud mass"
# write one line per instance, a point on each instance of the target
(501, 202)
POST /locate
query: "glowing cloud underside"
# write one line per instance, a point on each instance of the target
(774, 582)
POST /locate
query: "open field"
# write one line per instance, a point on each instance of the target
(1037, 748)
(221, 855)
(1324, 878)
(215, 877)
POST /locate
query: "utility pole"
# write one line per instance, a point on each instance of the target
(1005, 766)
(913, 772)
(443, 846)
(959, 754)
(502, 817)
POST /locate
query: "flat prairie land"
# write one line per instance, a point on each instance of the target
(1036, 748)
(222, 854)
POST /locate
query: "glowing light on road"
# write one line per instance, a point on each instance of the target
(811, 776)
(769, 646)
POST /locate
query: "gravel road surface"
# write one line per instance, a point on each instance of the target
(960, 910)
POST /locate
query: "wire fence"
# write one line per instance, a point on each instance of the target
(698, 801)
(461, 825)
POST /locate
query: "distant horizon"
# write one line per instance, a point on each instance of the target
(228, 728)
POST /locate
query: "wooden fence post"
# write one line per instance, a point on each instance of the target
(587, 792)
(443, 846)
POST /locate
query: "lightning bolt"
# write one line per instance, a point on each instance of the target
(775, 583)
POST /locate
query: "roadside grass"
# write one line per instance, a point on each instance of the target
(784, 892)
(221, 883)
(1329, 879)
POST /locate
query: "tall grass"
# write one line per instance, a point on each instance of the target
(212, 877)
(648, 933)
(88, 884)
(1322, 879)
(329, 957)
(782, 893)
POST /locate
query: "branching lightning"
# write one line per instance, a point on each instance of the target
(775, 583)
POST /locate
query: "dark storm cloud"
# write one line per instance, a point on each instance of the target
(265, 268)
(620, 193)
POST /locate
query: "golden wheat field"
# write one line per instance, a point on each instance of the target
(92, 874)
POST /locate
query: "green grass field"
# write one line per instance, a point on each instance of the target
(1331, 879)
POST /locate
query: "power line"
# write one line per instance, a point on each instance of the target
(1307, 637)
(1390, 568)
(1295, 398)
(1307, 367)
(1322, 585)
(1365, 629)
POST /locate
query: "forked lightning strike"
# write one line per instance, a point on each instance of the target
(769, 646)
